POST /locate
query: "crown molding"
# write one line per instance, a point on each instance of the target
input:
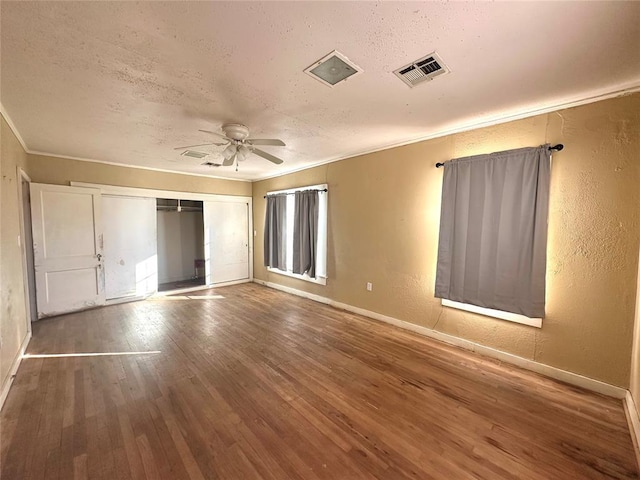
(591, 97)
(15, 131)
(140, 167)
(619, 91)
(13, 128)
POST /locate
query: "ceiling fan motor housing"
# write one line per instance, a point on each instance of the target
(235, 131)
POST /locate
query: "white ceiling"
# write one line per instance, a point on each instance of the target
(127, 82)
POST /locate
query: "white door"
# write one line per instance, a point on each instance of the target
(67, 248)
(130, 246)
(226, 241)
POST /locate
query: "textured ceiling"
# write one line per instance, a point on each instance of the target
(127, 82)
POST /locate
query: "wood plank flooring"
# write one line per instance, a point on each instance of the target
(253, 383)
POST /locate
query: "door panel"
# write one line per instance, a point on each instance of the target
(226, 241)
(130, 246)
(67, 248)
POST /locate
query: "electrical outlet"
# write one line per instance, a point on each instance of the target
(369, 286)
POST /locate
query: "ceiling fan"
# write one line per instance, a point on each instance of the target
(239, 145)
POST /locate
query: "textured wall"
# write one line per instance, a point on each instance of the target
(634, 382)
(384, 213)
(60, 171)
(13, 317)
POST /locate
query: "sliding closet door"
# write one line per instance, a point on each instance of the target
(130, 246)
(226, 239)
(67, 248)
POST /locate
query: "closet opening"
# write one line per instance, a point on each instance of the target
(181, 254)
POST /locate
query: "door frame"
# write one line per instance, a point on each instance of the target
(204, 197)
(28, 293)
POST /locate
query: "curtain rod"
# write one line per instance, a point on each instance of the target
(293, 193)
(557, 147)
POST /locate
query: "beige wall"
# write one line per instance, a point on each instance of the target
(13, 317)
(634, 382)
(384, 212)
(61, 171)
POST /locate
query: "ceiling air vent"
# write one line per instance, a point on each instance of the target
(425, 68)
(333, 69)
(194, 154)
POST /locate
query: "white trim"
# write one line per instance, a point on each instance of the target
(20, 175)
(475, 124)
(167, 293)
(126, 299)
(14, 369)
(490, 312)
(4, 113)
(124, 165)
(318, 280)
(633, 420)
(294, 291)
(13, 128)
(546, 370)
(154, 193)
(595, 96)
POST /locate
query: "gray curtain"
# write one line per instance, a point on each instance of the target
(275, 231)
(305, 232)
(492, 250)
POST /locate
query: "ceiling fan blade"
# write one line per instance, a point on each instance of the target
(229, 161)
(214, 133)
(266, 141)
(199, 145)
(268, 156)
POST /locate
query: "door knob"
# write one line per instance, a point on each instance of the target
(99, 256)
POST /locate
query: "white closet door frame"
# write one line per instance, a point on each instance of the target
(204, 197)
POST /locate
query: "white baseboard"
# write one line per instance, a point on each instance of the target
(198, 288)
(14, 368)
(634, 423)
(546, 370)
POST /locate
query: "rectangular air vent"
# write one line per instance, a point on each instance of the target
(194, 154)
(421, 70)
(332, 69)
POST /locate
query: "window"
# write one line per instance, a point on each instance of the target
(285, 227)
(493, 232)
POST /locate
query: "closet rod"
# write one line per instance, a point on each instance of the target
(557, 147)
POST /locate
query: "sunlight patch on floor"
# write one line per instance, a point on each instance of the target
(86, 354)
(190, 297)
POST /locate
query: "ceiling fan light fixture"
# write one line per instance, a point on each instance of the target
(243, 152)
(229, 152)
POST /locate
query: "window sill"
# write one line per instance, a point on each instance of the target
(318, 280)
(488, 312)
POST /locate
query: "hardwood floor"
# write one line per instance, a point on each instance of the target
(254, 383)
